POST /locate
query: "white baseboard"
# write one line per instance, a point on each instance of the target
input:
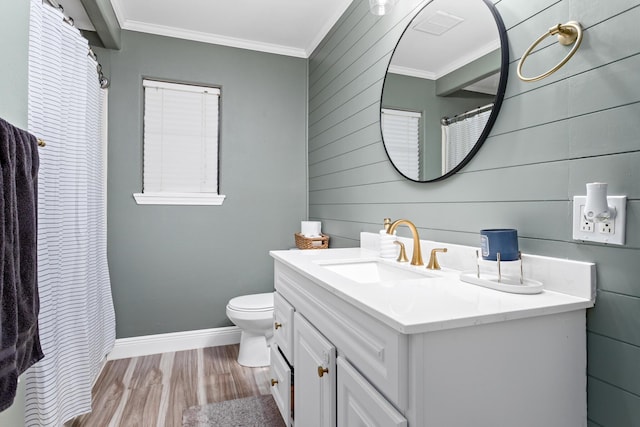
(175, 341)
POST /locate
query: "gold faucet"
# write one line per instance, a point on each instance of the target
(416, 258)
(433, 259)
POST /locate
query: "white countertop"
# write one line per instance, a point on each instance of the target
(425, 304)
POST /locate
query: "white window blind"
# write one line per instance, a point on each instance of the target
(402, 139)
(180, 144)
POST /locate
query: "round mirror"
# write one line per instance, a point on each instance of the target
(444, 87)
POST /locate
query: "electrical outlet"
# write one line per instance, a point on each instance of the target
(611, 232)
(606, 228)
(585, 226)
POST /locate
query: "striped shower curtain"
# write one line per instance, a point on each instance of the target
(459, 138)
(77, 322)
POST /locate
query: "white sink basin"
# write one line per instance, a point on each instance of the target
(372, 271)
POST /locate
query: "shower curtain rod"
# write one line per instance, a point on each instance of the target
(104, 82)
(56, 5)
(459, 117)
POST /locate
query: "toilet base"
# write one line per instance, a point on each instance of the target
(254, 350)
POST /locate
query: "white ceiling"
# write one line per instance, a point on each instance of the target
(288, 27)
(296, 27)
(432, 56)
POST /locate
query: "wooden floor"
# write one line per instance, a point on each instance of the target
(152, 391)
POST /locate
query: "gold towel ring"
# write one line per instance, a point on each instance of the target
(567, 34)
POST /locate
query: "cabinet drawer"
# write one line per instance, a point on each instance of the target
(359, 403)
(283, 326)
(281, 384)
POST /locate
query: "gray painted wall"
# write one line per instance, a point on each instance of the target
(551, 138)
(14, 42)
(174, 268)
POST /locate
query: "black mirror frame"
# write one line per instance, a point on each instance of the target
(502, 84)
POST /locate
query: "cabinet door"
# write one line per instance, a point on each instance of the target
(281, 384)
(315, 377)
(283, 326)
(360, 404)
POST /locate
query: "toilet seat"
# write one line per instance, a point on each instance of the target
(252, 303)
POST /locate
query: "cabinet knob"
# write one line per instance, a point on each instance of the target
(277, 325)
(322, 371)
(273, 382)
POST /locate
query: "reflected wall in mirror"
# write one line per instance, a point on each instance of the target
(444, 87)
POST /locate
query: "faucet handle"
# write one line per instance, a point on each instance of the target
(403, 254)
(433, 259)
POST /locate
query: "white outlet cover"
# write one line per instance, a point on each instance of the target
(619, 222)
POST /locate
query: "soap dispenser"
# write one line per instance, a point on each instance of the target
(387, 248)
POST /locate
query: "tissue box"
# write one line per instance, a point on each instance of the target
(303, 242)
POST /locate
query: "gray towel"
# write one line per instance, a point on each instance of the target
(19, 340)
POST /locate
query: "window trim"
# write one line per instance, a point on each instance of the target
(208, 199)
(171, 198)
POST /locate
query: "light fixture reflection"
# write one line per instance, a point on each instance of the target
(381, 7)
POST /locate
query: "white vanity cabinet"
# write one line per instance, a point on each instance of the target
(324, 327)
(479, 358)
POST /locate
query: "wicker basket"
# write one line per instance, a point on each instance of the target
(303, 242)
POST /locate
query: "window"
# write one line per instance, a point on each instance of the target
(402, 140)
(180, 144)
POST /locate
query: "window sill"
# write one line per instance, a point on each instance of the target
(209, 199)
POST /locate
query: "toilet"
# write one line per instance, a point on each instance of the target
(253, 314)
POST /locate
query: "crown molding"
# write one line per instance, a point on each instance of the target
(412, 72)
(325, 30)
(203, 37)
(469, 58)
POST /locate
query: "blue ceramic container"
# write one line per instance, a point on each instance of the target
(503, 240)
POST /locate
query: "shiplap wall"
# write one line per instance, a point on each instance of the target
(551, 138)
